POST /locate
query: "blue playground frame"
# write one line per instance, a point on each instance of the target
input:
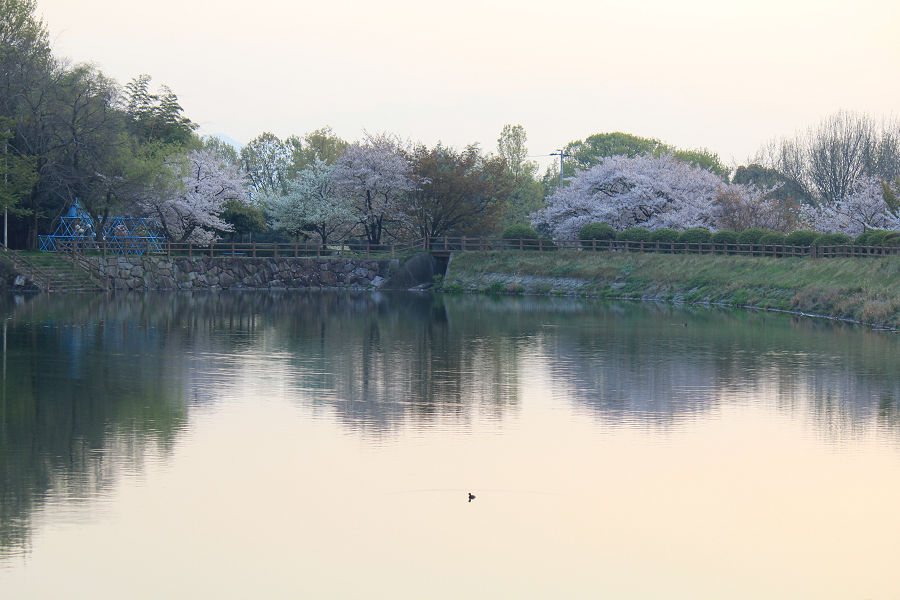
(122, 235)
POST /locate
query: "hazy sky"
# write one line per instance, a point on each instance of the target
(726, 75)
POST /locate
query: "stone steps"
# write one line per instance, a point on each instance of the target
(52, 273)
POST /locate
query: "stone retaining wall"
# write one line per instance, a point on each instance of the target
(204, 273)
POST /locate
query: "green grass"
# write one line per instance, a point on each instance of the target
(863, 289)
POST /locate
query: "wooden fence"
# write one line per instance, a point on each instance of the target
(451, 244)
(473, 244)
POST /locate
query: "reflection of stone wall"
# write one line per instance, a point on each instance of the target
(200, 273)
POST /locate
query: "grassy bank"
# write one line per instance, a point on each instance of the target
(860, 289)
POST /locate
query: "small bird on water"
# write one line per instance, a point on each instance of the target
(471, 496)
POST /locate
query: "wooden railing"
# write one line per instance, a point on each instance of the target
(249, 250)
(473, 244)
(455, 244)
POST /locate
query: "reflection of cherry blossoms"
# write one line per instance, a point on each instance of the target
(864, 207)
(188, 207)
(647, 191)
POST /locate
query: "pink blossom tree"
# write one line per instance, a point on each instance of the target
(374, 176)
(194, 192)
(648, 191)
(864, 207)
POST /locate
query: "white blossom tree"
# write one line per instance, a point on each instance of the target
(188, 203)
(864, 207)
(374, 175)
(310, 203)
(647, 191)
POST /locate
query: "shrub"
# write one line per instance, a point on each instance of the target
(634, 234)
(878, 236)
(772, 239)
(872, 237)
(597, 231)
(724, 237)
(831, 239)
(752, 235)
(892, 238)
(801, 237)
(664, 235)
(517, 232)
(694, 236)
(495, 288)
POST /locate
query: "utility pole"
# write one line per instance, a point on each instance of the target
(561, 155)
(5, 208)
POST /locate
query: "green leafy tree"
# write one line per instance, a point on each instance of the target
(527, 195)
(459, 193)
(266, 159)
(244, 218)
(89, 131)
(319, 144)
(511, 146)
(157, 117)
(704, 159)
(222, 149)
(584, 154)
(767, 178)
(17, 175)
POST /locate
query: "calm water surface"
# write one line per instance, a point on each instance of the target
(322, 446)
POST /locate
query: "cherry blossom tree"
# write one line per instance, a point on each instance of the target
(374, 176)
(189, 202)
(310, 203)
(647, 191)
(864, 207)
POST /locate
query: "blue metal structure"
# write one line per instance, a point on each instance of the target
(120, 235)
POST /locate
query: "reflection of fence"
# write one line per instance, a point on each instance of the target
(473, 244)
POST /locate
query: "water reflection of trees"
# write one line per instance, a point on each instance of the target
(94, 384)
(79, 401)
(658, 364)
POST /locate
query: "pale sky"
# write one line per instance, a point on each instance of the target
(725, 75)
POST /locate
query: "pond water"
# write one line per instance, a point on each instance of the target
(317, 445)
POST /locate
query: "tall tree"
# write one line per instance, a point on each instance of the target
(18, 176)
(89, 137)
(319, 144)
(27, 74)
(865, 206)
(584, 154)
(188, 203)
(374, 175)
(527, 194)
(649, 191)
(511, 146)
(266, 159)
(459, 193)
(157, 116)
(827, 160)
(310, 203)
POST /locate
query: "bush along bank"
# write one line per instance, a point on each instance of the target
(865, 290)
